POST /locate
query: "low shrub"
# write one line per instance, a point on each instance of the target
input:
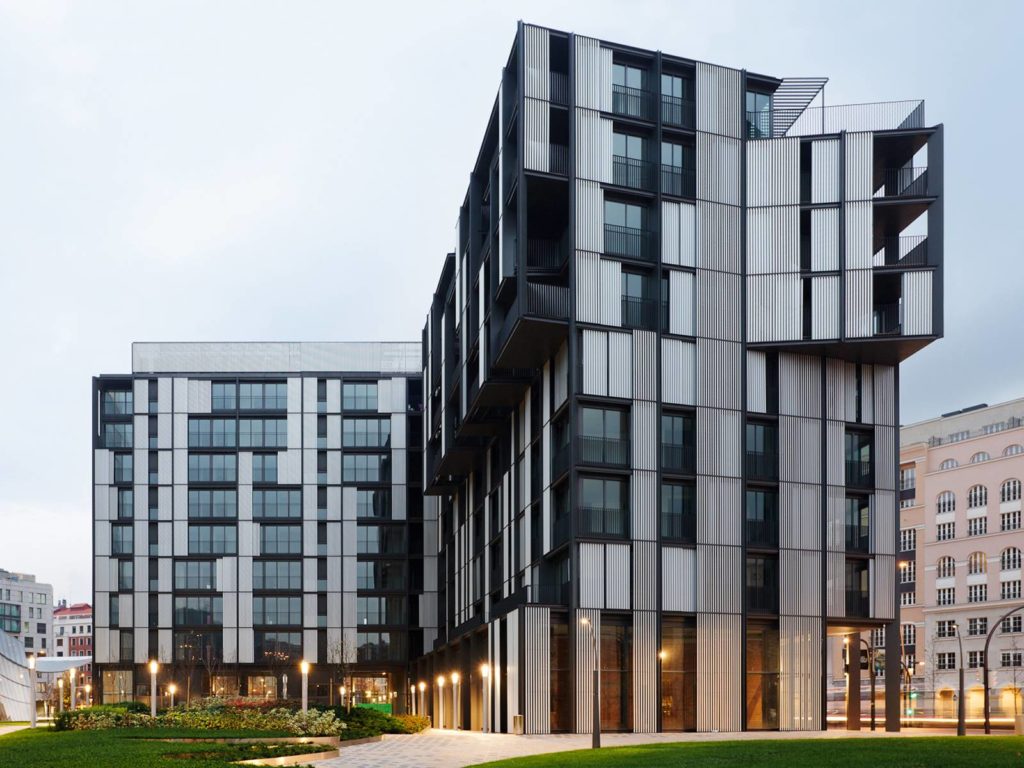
(412, 723)
(314, 723)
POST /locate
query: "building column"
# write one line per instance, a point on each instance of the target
(853, 682)
(893, 674)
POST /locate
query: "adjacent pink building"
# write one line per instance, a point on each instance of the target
(960, 561)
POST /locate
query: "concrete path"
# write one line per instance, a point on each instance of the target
(456, 749)
(5, 729)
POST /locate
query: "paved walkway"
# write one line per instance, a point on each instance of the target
(5, 729)
(456, 749)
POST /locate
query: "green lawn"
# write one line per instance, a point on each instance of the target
(919, 752)
(129, 748)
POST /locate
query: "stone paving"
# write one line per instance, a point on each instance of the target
(457, 749)
(5, 729)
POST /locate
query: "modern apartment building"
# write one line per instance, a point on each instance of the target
(661, 374)
(960, 557)
(257, 505)
(26, 611)
(72, 637)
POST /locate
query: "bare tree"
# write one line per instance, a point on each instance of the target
(341, 656)
(188, 655)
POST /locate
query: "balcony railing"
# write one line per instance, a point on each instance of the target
(680, 526)
(545, 255)
(904, 182)
(681, 182)
(763, 599)
(632, 102)
(857, 538)
(763, 532)
(887, 320)
(551, 301)
(604, 521)
(603, 450)
(762, 465)
(559, 88)
(639, 313)
(859, 474)
(679, 458)
(676, 111)
(908, 251)
(877, 116)
(858, 603)
(631, 242)
(632, 172)
(558, 159)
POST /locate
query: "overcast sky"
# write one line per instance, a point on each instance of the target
(292, 171)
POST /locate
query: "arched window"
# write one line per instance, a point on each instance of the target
(1013, 450)
(1010, 559)
(946, 502)
(979, 457)
(977, 563)
(948, 464)
(947, 567)
(1010, 491)
(977, 496)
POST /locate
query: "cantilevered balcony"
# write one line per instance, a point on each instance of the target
(632, 102)
(905, 251)
(534, 326)
(632, 172)
(678, 112)
(631, 242)
(679, 182)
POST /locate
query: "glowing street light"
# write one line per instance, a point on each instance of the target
(596, 705)
(485, 673)
(412, 697)
(88, 694)
(32, 686)
(172, 689)
(60, 693)
(304, 668)
(440, 698)
(153, 669)
(455, 699)
(423, 704)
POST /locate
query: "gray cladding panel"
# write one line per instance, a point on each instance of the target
(719, 100)
(719, 699)
(718, 168)
(773, 172)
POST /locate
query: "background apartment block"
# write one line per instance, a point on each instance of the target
(26, 611)
(661, 376)
(72, 636)
(960, 558)
(258, 504)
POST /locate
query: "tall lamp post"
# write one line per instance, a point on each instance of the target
(32, 689)
(304, 668)
(485, 675)
(984, 663)
(172, 689)
(596, 704)
(88, 694)
(153, 669)
(60, 694)
(455, 699)
(440, 698)
(412, 698)
(422, 708)
(961, 705)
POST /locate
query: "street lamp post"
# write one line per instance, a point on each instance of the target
(172, 689)
(304, 668)
(32, 688)
(74, 693)
(153, 668)
(485, 674)
(423, 700)
(412, 698)
(455, 699)
(60, 694)
(440, 699)
(961, 705)
(88, 694)
(596, 704)
(984, 663)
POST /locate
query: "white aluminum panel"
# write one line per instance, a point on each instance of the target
(645, 365)
(799, 516)
(719, 579)
(720, 511)
(825, 307)
(859, 170)
(718, 236)
(180, 430)
(800, 583)
(917, 303)
(824, 239)
(165, 430)
(718, 168)
(718, 442)
(885, 457)
(883, 522)
(645, 575)
(585, 663)
(859, 227)
(773, 240)
(333, 396)
(757, 380)
(593, 146)
(644, 506)
(825, 171)
(718, 374)
(537, 684)
(587, 68)
(800, 647)
(537, 135)
(294, 430)
(536, 50)
(882, 573)
(588, 287)
(682, 311)
(617, 574)
(645, 671)
(678, 579)
(799, 385)
(669, 232)
(644, 447)
(678, 371)
(595, 363)
(835, 453)
(199, 396)
(885, 395)
(180, 394)
(589, 216)
(773, 172)
(688, 235)
(103, 466)
(719, 698)
(245, 645)
(620, 364)
(611, 292)
(140, 396)
(774, 308)
(800, 449)
(719, 100)
(591, 575)
(835, 584)
(859, 303)
(719, 305)
(307, 389)
(164, 392)
(560, 377)
(309, 431)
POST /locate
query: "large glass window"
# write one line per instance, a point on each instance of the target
(629, 168)
(277, 503)
(212, 540)
(125, 575)
(364, 468)
(380, 540)
(123, 468)
(263, 396)
(117, 435)
(194, 574)
(638, 309)
(281, 539)
(625, 231)
(762, 517)
(759, 115)
(626, 215)
(211, 433)
(277, 611)
(678, 442)
(677, 174)
(195, 646)
(277, 574)
(378, 646)
(762, 461)
(762, 676)
(380, 610)
(212, 468)
(858, 523)
(616, 674)
(117, 403)
(604, 437)
(263, 433)
(121, 539)
(629, 97)
(678, 673)
(223, 394)
(125, 503)
(603, 507)
(198, 611)
(677, 106)
(561, 675)
(366, 433)
(859, 468)
(380, 574)
(359, 396)
(276, 647)
(678, 511)
(373, 503)
(763, 583)
(264, 467)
